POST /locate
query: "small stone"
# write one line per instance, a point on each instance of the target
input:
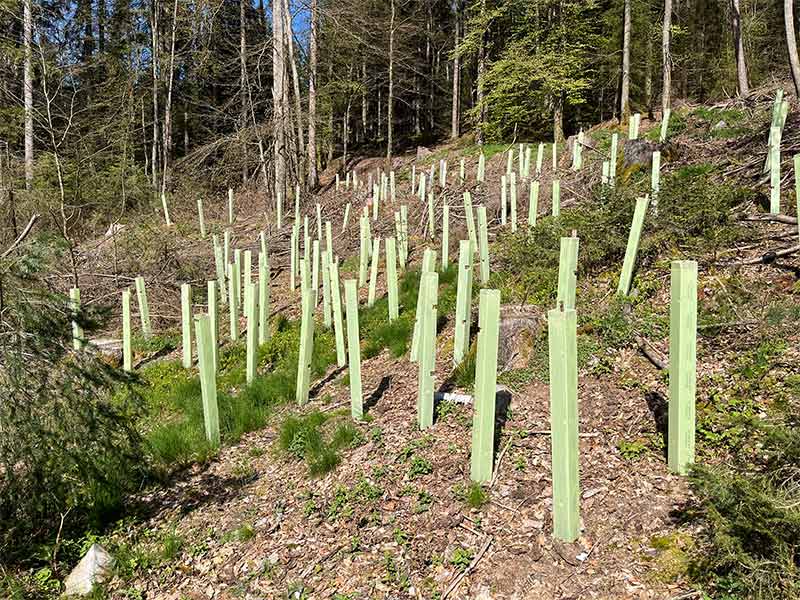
(93, 568)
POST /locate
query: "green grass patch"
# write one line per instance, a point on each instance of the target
(307, 438)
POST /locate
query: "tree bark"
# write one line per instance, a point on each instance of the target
(28, 91)
(243, 83)
(364, 128)
(278, 84)
(558, 118)
(455, 112)
(741, 64)
(626, 62)
(481, 72)
(390, 95)
(288, 32)
(167, 150)
(312, 100)
(154, 59)
(666, 57)
(791, 43)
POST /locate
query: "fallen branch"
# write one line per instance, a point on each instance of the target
(649, 354)
(774, 218)
(766, 258)
(457, 581)
(499, 460)
(21, 237)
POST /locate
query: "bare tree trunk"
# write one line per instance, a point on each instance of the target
(666, 57)
(429, 63)
(278, 83)
(345, 133)
(364, 101)
(455, 113)
(154, 57)
(243, 83)
(296, 85)
(167, 150)
(481, 72)
(791, 43)
(558, 118)
(741, 64)
(332, 140)
(185, 129)
(648, 76)
(312, 100)
(390, 95)
(28, 92)
(626, 62)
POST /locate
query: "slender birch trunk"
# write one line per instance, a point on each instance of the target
(167, 150)
(154, 58)
(312, 100)
(741, 64)
(28, 91)
(390, 95)
(278, 115)
(243, 83)
(791, 43)
(666, 57)
(626, 62)
(455, 112)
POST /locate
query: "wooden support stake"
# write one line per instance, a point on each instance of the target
(567, 272)
(482, 457)
(144, 311)
(635, 234)
(127, 348)
(562, 337)
(427, 350)
(306, 348)
(208, 379)
(186, 324)
(353, 349)
(682, 365)
(483, 226)
(463, 302)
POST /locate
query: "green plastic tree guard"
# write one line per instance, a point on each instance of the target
(391, 278)
(327, 317)
(503, 200)
(262, 236)
(219, 263)
(482, 456)
(392, 187)
(305, 279)
(473, 236)
(539, 158)
(208, 379)
(233, 306)
(427, 350)
(481, 168)
(329, 239)
(213, 316)
(445, 235)
(306, 348)
(186, 324)
(346, 217)
(577, 153)
(363, 255)
(336, 300)
(319, 221)
(404, 224)
(512, 198)
(166, 209)
(293, 261)
(251, 341)
(555, 158)
(655, 176)
(431, 216)
(462, 170)
(428, 266)
(612, 161)
(353, 349)
(226, 246)
(247, 270)
(201, 218)
(315, 271)
(127, 347)
(75, 307)
(775, 171)
(780, 110)
(509, 161)
(533, 203)
(144, 311)
(263, 299)
(567, 272)
(230, 206)
(463, 302)
(634, 236)
(682, 365)
(604, 172)
(556, 197)
(483, 226)
(665, 125)
(422, 187)
(562, 338)
(373, 271)
(237, 280)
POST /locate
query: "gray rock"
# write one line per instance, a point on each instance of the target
(719, 125)
(422, 152)
(519, 327)
(639, 152)
(94, 567)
